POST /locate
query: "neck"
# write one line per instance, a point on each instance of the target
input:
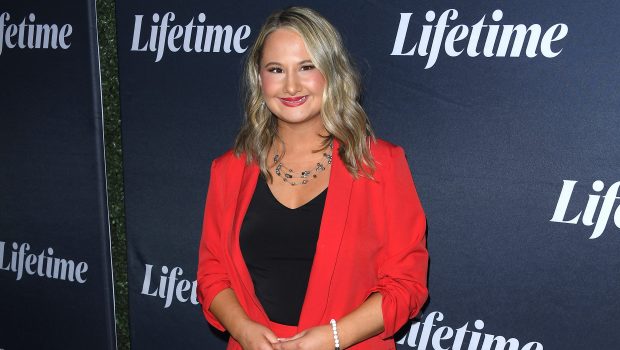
(301, 139)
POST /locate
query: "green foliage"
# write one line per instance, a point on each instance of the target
(106, 25)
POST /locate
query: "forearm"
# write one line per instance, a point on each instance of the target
(226, 308)
(362, 323)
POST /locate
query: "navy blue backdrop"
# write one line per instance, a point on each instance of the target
(512, 147)
(55, 273)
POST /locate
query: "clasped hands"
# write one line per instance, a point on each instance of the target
(255, 336)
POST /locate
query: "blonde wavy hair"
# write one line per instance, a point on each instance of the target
(341, 112)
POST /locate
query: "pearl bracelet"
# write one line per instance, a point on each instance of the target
(335, 331)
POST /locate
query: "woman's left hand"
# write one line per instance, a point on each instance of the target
(316, 338)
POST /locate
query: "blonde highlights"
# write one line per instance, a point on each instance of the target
(342, 115)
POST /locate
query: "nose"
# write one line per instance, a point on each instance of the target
(292, 84)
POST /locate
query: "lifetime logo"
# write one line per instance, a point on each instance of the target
(170, 286)
(422, 336)
(29, 35)
(587, 215)
(511, 37)
(21, 261)
(187, 38)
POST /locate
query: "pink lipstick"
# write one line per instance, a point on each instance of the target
(293, 101)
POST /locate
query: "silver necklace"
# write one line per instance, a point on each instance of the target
(290, 176)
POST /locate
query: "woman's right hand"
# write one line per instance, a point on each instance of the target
(254, 336)
(251, 335)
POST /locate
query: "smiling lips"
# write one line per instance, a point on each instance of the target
(293, 101)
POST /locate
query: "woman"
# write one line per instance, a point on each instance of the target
(313, 236)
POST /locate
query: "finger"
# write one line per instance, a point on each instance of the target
(287, 345)
(266, 347)
(271, 337)
(296, 336)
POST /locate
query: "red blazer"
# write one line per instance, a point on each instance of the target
(372, 239)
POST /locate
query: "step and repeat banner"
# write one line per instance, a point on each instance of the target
(507, 111)
(55, 272)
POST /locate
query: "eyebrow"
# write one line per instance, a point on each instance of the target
(279, 64)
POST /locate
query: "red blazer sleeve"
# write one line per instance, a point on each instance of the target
(212, 276)
(403, 263)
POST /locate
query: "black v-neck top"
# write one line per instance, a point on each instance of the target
(278, 246)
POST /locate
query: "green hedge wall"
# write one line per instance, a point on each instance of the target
(106, 26)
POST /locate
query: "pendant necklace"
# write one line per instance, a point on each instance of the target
(301, 178)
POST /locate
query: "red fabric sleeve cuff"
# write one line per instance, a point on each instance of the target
(396, 312)
(206, 297)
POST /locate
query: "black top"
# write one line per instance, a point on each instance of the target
(278, 246)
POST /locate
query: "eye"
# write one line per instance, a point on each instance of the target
(274, 70)
(307, 67)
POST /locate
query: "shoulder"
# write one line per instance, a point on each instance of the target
(383, 146)
(228, 160)
(226, 169)
(392, 167)
(385, 152)
(386, 156)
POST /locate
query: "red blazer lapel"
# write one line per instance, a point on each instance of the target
(328, 245)
(245, 177)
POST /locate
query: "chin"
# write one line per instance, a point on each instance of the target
(297, 119)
